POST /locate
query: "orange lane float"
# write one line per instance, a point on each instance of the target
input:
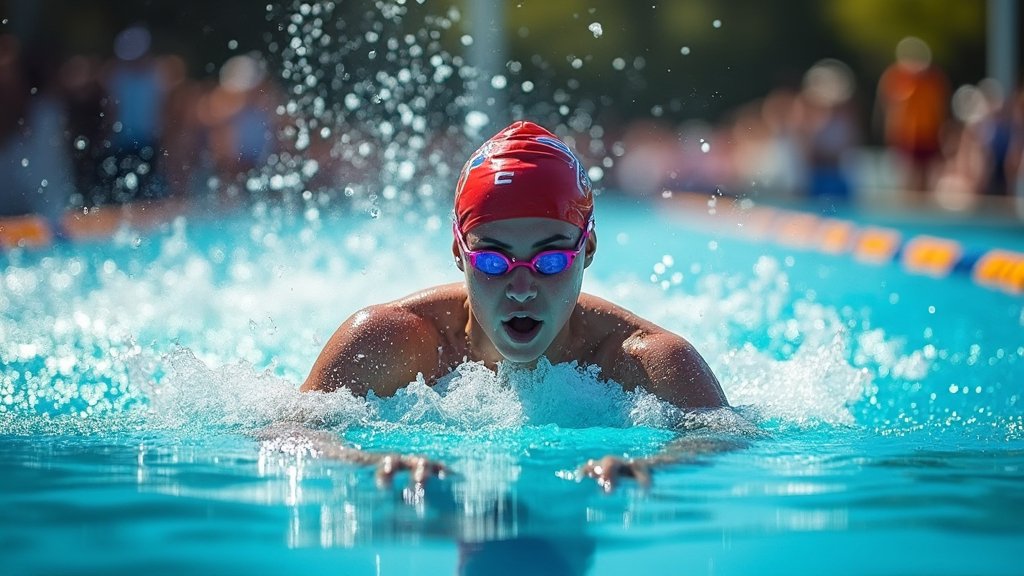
(923, 254)
(33, 231)
(931, 256)
(24, 232)
(1001, 269)
(876, 245)
(835, 236)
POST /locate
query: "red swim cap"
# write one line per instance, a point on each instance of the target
(523, 171)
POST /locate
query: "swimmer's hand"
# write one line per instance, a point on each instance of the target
(610, 469)
(420, 468)
(294, 438)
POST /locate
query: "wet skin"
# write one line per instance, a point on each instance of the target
(517, 317)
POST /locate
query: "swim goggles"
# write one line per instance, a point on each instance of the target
(545, 262)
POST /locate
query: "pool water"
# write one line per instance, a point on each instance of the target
(877, 425)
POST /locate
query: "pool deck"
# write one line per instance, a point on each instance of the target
(34, 231)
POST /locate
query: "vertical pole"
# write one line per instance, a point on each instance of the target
(487, 55)
(1003, 39)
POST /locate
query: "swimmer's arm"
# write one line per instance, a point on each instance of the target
(669, 367)
(380, 348)
(686, 449)
(295, 439)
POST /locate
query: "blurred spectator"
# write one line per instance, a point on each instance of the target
(912, 102)
(968, 162)
(239, 116)
(995, 130)
(829, 128)
(648, 158)
(783, 164)
(185, 160)
(137, 90)
(703, 159)
(33, 159)
(1015, 154)
(88, 125)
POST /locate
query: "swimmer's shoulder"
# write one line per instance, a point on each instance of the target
(635, 352)
(385, 346)
(445, 307)
(609, 320)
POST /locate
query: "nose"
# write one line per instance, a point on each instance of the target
(521, 286)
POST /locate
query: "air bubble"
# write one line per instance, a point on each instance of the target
(596, 29)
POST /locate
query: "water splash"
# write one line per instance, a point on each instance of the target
(96, 341)
(372, 94)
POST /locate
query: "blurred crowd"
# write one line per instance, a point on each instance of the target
(923, 139)
(87, 132)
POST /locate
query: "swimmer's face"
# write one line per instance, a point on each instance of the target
(522, 312)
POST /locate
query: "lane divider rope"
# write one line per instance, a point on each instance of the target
(920, 254)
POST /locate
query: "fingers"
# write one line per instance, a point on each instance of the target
(424, 469)
(608, 470)
(386, 469)
(421, 469)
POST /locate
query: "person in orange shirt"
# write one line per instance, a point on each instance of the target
(913, 97)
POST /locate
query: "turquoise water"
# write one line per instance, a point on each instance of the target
(878, 426)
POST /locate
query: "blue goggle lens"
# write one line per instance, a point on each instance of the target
(490, 263)
(551, 263)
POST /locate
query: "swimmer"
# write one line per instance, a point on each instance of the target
(524, 232)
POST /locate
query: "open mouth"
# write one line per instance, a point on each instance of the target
(522, 329)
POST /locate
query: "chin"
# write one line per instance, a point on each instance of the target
(525, 359)
(518, 355)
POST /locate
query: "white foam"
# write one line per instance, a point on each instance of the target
(474, 397)
(238, 397)
(249, 321)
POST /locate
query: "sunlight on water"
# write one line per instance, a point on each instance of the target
(163, 366)
(192, 330)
